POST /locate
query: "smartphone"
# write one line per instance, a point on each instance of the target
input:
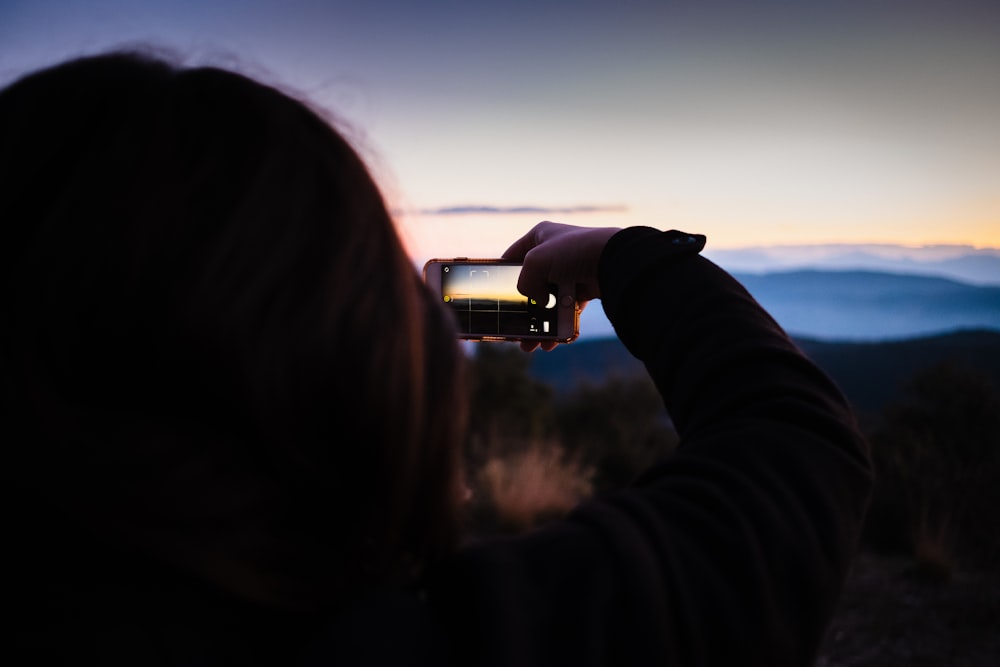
(483, 296)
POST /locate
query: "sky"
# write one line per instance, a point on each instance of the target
(766, 123)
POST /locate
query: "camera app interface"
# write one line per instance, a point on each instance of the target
(486, 302)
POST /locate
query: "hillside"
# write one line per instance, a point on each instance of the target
(867, 305)
(857, 305)
(870, 374)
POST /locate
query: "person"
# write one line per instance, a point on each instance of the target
(233, 414)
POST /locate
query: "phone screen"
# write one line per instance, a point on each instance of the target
(486, 302)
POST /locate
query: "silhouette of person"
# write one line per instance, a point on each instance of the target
(233, 414)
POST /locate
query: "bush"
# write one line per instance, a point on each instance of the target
(520, 488)
(531, 455)
(937, 456)
(619, 427)
(507, 406)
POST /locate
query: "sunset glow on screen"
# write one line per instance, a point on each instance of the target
(491, 281)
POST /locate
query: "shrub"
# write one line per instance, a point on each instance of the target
(531, 455)
(620, 427)
(521, 487)
(937, 455)
(507, 406)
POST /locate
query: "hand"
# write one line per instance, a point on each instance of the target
(562, 254)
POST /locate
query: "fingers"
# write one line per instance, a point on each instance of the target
(562, 255)
(535, 236)
(536, 274)
(519, 248)
(532, 345)
(542, 252)
(533, 279)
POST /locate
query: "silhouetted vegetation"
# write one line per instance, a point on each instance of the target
(594, 438)
(508, 407)
(549, 429)
(937, 455)
(936, 439)
(620, 427)
(523, 488)
(873, 374)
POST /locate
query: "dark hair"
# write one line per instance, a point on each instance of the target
(215, 350)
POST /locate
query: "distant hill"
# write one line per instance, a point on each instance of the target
(585, 361)
(858, 305)
(870, 374)
(867, 305)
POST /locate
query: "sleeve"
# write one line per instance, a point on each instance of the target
(732, 550)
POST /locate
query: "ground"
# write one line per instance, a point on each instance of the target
(890, 617)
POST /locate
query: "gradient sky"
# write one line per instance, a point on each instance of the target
(756, 123)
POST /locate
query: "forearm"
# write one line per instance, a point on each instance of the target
(709, 346)
(732, 550)
(762, 503)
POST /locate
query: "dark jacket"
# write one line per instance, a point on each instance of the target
(731, 551)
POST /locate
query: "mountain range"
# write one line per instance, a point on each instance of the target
(869, 306)
(859, 306)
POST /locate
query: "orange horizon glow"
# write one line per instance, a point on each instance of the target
(427, 237)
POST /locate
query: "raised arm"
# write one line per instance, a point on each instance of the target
(732, 550)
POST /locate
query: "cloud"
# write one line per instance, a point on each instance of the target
(520, 210)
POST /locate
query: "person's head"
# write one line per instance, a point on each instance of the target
(214, 349)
